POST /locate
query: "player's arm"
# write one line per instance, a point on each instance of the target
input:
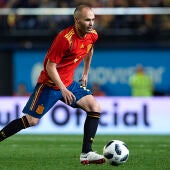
(53, 74)
(55, 54)
(87, 62)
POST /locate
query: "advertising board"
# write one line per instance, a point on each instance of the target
(120, 115)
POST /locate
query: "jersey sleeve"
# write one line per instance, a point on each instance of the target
(94, 35)
(58, 49)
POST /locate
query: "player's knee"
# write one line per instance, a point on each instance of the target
(32, 120)
(96, 107)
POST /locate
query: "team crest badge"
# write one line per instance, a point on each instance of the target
(40, 109)
(82, 46)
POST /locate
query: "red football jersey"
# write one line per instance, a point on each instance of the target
(67, 51)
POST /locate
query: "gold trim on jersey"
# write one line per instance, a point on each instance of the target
(69, 35)
(94, 31)
(50, 83)
(89, 47)
(77, 59)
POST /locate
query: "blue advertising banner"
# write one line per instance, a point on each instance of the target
(111, 69)
(27, 66)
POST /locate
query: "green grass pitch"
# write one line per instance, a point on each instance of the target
(61, 152)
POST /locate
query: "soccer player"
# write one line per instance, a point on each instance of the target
(69, 48)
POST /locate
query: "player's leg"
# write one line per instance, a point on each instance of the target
(21, 123)
(13, 127)
(87, 102)
(17, 125)
(93, 110)
(42, 99)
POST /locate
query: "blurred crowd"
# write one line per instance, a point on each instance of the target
(141, 23)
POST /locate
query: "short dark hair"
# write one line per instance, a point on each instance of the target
(79, 8)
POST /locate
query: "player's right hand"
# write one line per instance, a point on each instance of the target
(68, 96)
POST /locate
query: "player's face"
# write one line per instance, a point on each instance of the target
(86, 21)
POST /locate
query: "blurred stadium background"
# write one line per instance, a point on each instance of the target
(131, 32)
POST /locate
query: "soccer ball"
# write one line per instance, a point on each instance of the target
(116, 152)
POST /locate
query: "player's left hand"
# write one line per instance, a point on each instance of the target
(83, 80)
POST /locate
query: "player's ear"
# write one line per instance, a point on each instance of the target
(76, 19)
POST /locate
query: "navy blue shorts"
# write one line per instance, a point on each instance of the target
(44, 97)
